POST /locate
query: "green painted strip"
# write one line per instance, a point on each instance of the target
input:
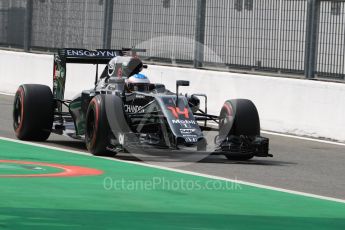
(138, 197)
(25, 169)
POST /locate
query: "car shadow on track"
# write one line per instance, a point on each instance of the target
(213, 159)
(67, 144)
(254, 161)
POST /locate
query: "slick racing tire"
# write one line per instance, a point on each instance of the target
(97, 128)
(33, 112)
(239, 117)
(118, 125)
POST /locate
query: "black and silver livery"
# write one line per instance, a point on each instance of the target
(113, 117)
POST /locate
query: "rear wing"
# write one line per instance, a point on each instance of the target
(82, 56)
(87, 56)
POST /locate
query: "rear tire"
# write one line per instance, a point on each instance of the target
(239, 117)
(33, 112)
(97, 128)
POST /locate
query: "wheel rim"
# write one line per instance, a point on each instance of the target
(17, 112)
(225, 124)
(226, 120)
(223, 120)
(90, 131)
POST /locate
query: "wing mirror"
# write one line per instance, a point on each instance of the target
(178, 84)
(182, 83)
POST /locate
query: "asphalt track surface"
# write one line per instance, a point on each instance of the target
(299, 165)
(122, 195)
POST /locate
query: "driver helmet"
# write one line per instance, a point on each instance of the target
(124, 66)
(138, 82)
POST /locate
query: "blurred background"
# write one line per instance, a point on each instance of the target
(298, 38)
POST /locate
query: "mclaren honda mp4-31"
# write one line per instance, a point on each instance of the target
(115, 116)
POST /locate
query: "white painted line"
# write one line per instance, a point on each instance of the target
(293, 136)
(186, 172)
(304, 138)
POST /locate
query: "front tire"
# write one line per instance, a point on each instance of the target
(97, 128)
(239, 117)
(33, 112)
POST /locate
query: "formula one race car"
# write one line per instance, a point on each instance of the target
(117, 114)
